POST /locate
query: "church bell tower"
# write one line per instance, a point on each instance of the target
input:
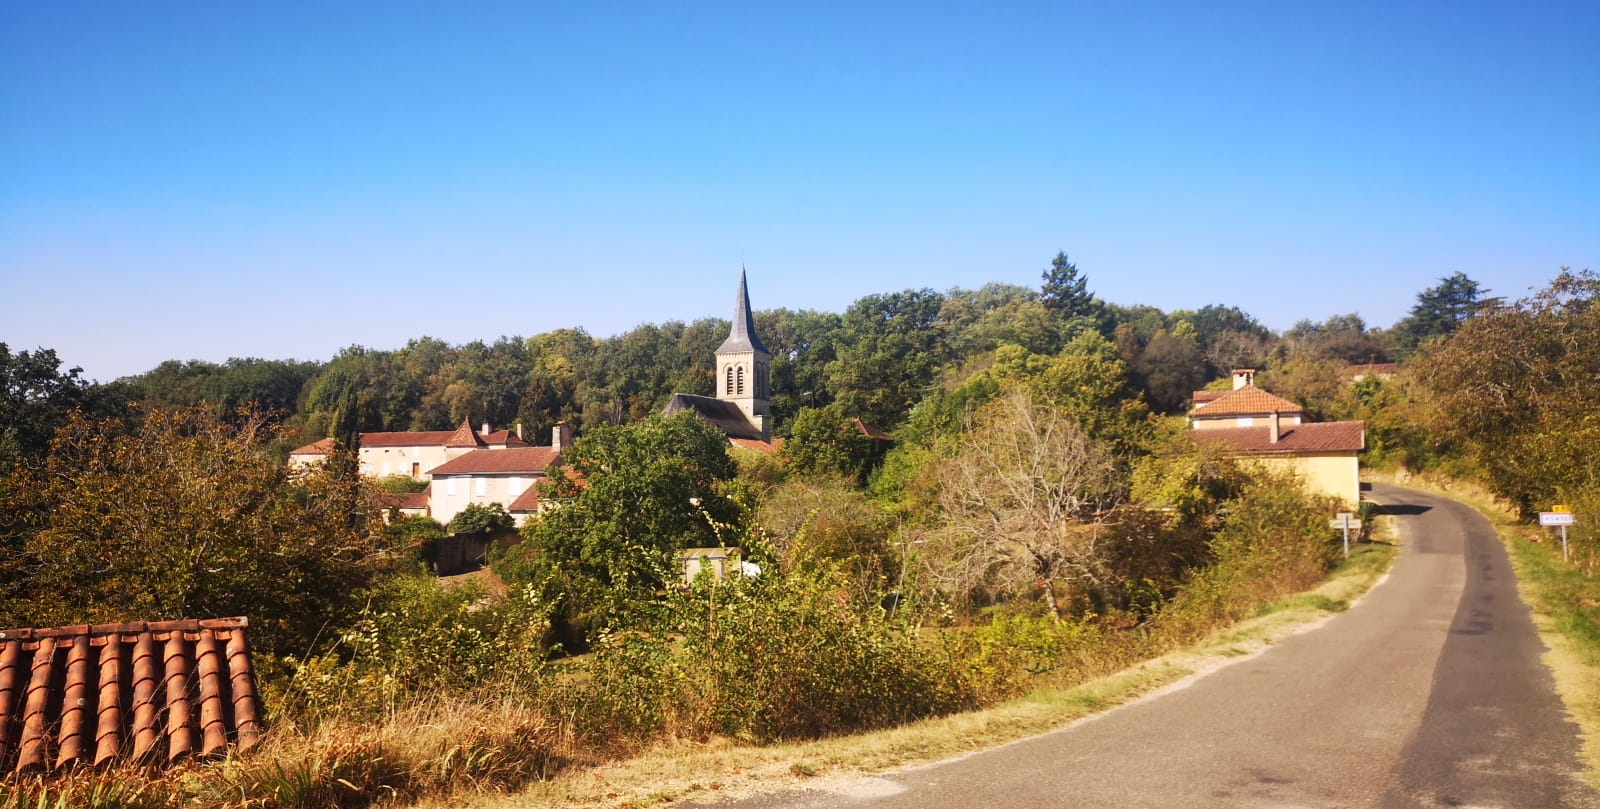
(744, 365)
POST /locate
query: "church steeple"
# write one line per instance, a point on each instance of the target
(744, 365)
(742, 337)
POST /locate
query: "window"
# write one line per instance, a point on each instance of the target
(515, 485)
(482, 487)
(730, 380)
(740, 377)
(450, 486)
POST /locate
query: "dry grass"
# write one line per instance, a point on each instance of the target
(722, 768)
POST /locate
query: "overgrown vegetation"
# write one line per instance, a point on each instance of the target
(1036, 522)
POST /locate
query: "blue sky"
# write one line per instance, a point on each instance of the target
(205, 180)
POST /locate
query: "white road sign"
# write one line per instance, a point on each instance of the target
(1556, 518)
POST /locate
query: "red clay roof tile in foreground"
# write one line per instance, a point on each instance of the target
(1248, 400)
(1329, 436)
(151, 693)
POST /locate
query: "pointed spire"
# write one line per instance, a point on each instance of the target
(742, 337)
(465, 436)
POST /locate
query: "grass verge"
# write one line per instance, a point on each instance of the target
(1564, 600)
(723, 768)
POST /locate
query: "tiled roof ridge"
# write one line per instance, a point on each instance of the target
(465, 436)
(1325, 436)
(152, 692)
(1248, 399)
(499, 461)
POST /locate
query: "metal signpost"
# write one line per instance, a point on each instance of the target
(1562, 518)
(1346, 521)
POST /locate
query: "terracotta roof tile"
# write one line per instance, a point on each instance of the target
(423, 438)
(757, 445)
(1248, 400)
(528, 501)
(871, 430)
(505, 437)
(1331, 436)
(146, 692)
(465, 436)
(509, 461)
(1203, 396)
(322, 447)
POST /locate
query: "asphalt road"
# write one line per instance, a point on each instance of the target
(1427, 693)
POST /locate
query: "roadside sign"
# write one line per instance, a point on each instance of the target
(1345, 521)
(1563, 517)
(1561, 508)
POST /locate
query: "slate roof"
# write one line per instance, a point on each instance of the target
(742, 336)
(154, 693)
(1329, 436)
(509, 461)
(1246, 401)
(725, 416)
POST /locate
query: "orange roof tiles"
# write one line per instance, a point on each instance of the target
(154, 693)
(505, 437)
(465, 436)
(871, 430)
(757, 445)
(509, 461)
(423, 438)
(1331, 436)
(322, 447)
(528, 501)
(1248, 400)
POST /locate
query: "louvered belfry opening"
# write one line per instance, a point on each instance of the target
(153, 694)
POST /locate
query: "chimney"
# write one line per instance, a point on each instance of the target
(561, 436)
(485, 430)
(519, 431)
(1243, 377)
(1273, 428)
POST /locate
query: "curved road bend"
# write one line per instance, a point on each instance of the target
(1427, 693)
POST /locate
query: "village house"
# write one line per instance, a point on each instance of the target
(1251, 423)
(462, 466)
(413, 454)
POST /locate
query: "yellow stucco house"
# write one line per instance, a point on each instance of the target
(1251, 423)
